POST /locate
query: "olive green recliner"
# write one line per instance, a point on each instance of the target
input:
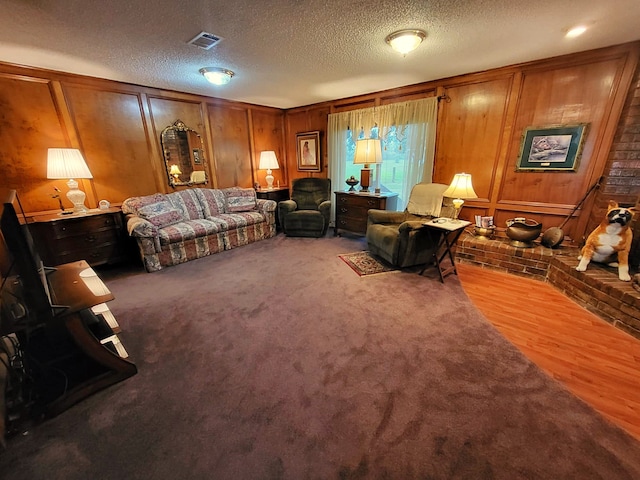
(397, 237)
(307, 213)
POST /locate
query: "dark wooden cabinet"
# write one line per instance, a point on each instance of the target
(275, 194)
(97, 236)
(352, 208)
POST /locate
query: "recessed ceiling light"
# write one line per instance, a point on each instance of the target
(217, 75)
(576, 31)
(404, 41)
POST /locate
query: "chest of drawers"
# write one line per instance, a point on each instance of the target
(97, 237)
(352, 208)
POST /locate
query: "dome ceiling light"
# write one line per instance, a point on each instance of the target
(217, 75)
(404, 41)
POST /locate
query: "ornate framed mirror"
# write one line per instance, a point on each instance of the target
(184, 157)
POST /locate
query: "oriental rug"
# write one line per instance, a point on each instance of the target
(363, 263)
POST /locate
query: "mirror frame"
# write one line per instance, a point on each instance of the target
(196, 156)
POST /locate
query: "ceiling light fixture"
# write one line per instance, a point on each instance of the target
(404, 41)
(576, 31)
(217, 75)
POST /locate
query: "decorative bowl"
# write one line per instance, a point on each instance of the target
(485, 232)
(352, 182)
(523, 232)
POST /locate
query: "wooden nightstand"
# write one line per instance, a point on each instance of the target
(352, 208)
(275, 194)
(98, 237)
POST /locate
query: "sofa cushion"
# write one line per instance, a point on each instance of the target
(187, 202)
(229, 221)
(240, 199)
(187, 230)
(161, 214)
(212, 201)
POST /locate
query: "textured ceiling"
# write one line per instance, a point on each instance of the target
(289, 53)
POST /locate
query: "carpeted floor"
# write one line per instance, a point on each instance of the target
(275, 361)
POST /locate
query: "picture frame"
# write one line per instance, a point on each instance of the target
(197, 160)
(553, 148)
(308, 151)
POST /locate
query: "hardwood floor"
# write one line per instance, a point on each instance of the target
(599, 363)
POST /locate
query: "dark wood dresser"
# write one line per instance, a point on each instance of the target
(97, 236)
(352, 208)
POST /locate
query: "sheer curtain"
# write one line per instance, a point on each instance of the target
(414, 119)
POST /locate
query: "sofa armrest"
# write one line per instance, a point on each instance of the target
(325, 208)
(286, 206)
(139, 227)
(385, 216)
(411, 225)
(265, 206)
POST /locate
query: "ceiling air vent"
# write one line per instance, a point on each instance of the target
(205, 40)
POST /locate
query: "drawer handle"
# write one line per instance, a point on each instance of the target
(94, 254)
(371, 202)
(343, 199)
(90, 239)
(343, 222)
(107, 221)
(344, 210)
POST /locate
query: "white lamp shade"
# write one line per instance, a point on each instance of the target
(268, 161)
(368, 151)
(66, 163)
(460, 187)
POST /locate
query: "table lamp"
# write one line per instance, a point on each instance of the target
(268, 162)
(368, 151)
(175, 172)
(460, 189)
(69, 163)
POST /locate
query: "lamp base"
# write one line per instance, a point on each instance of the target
(457, 205)
(269, 179)
(365, 179)
(76, 197)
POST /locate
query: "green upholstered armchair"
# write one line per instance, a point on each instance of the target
(397, 237)
(307, 213)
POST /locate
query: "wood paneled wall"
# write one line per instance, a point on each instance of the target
(482, 117)
(117, 126)
(481, 120)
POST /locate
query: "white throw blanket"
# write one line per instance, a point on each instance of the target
(426, 199)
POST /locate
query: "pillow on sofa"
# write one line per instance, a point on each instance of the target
(161, 214)
(240, 199)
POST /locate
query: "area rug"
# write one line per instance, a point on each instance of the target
(273, 361)
(363, 263)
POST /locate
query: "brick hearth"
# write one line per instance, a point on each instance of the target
(598, 289)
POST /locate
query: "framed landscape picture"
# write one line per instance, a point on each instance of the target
(308, 149)
(555, 148)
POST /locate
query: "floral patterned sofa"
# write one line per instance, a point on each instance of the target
(177, 227)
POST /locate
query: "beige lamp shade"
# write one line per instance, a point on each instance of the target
(175, 170)
(268, 162)
(69, 163)
(368, 151)
(66, 163)
(460, 189)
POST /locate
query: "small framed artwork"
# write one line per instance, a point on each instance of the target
(308, 148)
(197, 159)
(555, 148)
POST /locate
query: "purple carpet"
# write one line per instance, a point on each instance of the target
(276, 361)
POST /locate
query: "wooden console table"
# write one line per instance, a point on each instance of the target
(352, 208)
(97, 236)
